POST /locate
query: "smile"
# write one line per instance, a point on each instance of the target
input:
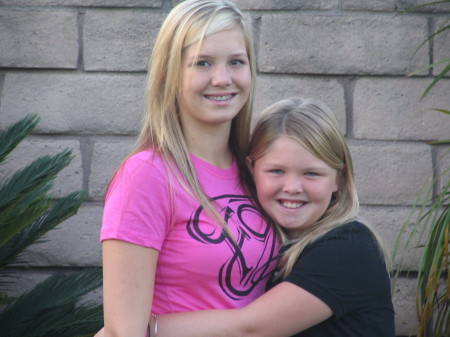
(291, 204)
(219, 98)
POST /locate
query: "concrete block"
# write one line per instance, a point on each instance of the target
(410, 4)
(389, 108)
(404, 307)
(119, 40)
(319, 44)
(273, 88)
(33, 39)
(441, 49)
(281, 4)
(390, 173)
(70, 179)
(75, 102)
(370, 5)
(84, 3)
(388, 222)
(75, 242)
(106, 157)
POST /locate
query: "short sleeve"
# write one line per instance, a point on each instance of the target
(137, 207)
(345, 270)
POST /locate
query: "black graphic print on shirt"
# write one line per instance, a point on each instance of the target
(243, 213)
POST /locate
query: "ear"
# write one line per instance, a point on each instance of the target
(249, 162)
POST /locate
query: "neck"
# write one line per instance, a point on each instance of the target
(211, 146)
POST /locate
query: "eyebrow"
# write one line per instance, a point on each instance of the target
(206, 55)
(307, 168)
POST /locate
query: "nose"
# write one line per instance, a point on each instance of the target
(292, 185)
(221, 76)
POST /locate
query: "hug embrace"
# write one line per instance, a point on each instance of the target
(208, 233)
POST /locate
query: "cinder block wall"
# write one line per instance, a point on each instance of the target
(81, 66)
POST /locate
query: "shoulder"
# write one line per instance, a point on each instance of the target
(141, 165)
(140, 170)
(352, 243)
(349, 232)
(146, 158)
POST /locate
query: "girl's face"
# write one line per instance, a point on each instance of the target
(215, 83)
(294, 187)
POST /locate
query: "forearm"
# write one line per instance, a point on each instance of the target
(208, 323)
(282, 312)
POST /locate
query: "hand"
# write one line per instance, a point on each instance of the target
(101, 333)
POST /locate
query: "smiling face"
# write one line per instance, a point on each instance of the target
(215, 80)
(294, 187)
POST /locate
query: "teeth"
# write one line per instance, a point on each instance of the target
(219, 98)
(290, 204)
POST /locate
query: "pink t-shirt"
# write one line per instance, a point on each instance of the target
(198, 266)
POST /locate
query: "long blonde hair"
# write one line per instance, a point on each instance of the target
(314, 126)
(189, 23)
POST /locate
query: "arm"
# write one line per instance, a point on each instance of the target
(283, 311)
(128, 281)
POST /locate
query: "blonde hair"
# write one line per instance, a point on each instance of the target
(189, 23)
(314, 126)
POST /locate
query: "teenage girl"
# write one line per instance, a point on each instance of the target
(180, 231)
(332, 278)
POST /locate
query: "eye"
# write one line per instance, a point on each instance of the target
(237, 62)
(202, 63)
(277, 172)
(311, 174)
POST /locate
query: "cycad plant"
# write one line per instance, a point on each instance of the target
(27, 213)
(433, 224)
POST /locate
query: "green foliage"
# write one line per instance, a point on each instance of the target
(432, 223)
(27, 213)
(446, 62)
(433, 282)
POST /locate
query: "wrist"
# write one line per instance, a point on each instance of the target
(152, 326)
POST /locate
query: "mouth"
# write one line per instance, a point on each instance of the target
(219, 98)
(291, 204)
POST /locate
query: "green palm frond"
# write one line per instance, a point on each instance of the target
(6, 299)
(33, 177)
(49, 310)
(13, 135)
(437, 79)
(27, 213)
(433, 297)
(23, 197)
(433, 287)
(433, 280)
(443, 111)
(61, 210)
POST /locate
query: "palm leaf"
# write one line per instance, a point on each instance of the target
(50, 307)
(14, 134)
(436, 79)
(418, 211)
(61, 210)
(27, 212)
(415, 72)
(442, 110)
(431, 298)
(23, 189)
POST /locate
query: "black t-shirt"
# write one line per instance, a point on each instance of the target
(346, 270)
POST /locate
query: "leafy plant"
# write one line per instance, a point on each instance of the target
(433, 222)
(27, 213)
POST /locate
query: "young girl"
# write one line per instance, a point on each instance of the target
(180, 230)
(332, 279)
